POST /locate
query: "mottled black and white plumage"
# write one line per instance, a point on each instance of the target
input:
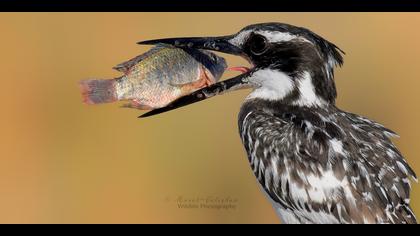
(317, 163)
(323, 165)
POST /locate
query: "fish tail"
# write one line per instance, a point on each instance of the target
(96, 91)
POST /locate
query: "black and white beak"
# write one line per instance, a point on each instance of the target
(219, 44)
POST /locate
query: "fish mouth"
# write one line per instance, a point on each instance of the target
(219, 44)
(209, 77)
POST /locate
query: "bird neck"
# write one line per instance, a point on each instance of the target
(298, 115)
(308, 88)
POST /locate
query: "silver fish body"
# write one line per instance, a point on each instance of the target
(156, 78)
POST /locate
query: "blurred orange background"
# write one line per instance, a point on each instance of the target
(65, 162)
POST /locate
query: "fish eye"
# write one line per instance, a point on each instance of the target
(258, 44)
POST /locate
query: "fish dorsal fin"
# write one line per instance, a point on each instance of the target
(126, 66)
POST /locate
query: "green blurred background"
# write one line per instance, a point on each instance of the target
(65, 162)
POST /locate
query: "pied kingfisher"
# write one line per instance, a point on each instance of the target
(317, 163)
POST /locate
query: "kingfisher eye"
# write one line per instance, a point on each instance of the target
(258, 44)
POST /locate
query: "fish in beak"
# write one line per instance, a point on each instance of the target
(219, 44)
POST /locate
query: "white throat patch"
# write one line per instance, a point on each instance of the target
(274, 85)
(270, 85)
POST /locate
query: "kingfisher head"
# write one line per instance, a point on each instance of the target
(289, 64)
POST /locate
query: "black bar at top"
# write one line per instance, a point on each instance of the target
(210, 5)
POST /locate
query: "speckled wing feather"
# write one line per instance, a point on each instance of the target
(315, 172)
